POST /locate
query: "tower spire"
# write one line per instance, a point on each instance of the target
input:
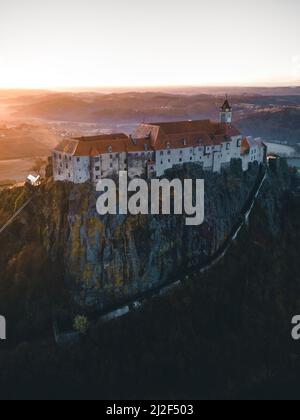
(226, 112)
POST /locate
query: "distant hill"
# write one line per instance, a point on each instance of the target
(282, 125)
(112, 108)
(20, 145)
(272, 113)
(133, 107)
(26, 141)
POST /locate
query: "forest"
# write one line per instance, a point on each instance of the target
(225, 334)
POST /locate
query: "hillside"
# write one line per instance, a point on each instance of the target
(134, 107)
(20, 145)
(116, 108)
(224, 334)
(110, 259)
(283, 125)
(26, 141)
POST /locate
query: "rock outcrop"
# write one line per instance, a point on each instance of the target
(112, 258)
(109, 259)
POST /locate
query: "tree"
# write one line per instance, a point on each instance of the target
(38, 166)
(81, 324)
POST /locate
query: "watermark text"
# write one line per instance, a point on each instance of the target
(2, 328)
(165, 197)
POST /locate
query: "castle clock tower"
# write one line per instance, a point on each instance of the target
(226, 112)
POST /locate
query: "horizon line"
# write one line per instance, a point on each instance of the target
(152, 87)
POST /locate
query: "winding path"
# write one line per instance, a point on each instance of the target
(137, 302)
(13, 218)
(219, 255)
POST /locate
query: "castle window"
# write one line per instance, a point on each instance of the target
(111, 165)
(169, 152)
(180, 160)
(78, 159)
(110, 149)
(161, 153)
(97, 159)
(228, 146)
(97, 168)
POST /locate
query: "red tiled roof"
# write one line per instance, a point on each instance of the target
(97, 145)
(94, 146)
(193, 133)
(102, 137)
(251, 142)
(232, 131)
(153, 136)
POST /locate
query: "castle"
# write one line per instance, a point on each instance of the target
(154, 148)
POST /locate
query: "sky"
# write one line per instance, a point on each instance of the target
(120, 43)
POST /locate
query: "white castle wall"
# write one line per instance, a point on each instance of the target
(236, 147)
(63, 167)
(137, 163)
(82, 169)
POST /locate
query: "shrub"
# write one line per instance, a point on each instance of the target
(81, 324)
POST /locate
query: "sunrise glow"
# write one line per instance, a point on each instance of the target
(138, 43)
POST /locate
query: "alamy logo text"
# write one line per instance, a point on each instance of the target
(135, 198)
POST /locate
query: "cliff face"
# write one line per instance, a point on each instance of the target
(273, 126)
(251, 295)
(108, 259)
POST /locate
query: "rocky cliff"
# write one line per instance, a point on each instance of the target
(107, 260)
(251, 296)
